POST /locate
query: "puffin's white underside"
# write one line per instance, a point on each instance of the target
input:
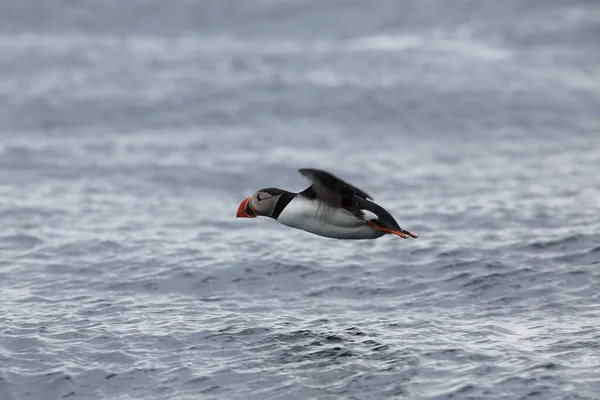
(319, 219)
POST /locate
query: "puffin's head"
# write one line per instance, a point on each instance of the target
(261, 203)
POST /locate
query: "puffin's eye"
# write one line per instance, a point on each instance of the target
(264, 196)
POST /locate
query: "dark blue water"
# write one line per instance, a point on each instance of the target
(130, 132)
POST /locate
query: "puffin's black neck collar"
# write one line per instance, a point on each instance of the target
(284, 199)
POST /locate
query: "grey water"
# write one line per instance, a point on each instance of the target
(131, 130)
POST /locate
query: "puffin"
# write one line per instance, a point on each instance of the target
(329, 207)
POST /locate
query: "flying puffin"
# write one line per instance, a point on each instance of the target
(329, 207)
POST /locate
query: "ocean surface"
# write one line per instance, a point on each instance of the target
(131, 130)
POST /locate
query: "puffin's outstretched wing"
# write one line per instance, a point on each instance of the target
(330, 189)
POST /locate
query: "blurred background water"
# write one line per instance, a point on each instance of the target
(130, 131)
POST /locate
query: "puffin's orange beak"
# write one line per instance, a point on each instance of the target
(245, 210)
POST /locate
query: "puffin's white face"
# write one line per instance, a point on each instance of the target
(261, 203)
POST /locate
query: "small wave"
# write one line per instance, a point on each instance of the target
(351, 292)
(324, 348)
(20, 242)
(594, 250)
(560, 244)
(585, 256)
(279, 269)
(81, 248)
(485, 281)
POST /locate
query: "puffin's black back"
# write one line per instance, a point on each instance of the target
(329, 188)
(332, 190)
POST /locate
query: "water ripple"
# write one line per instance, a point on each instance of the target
(131, 131)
